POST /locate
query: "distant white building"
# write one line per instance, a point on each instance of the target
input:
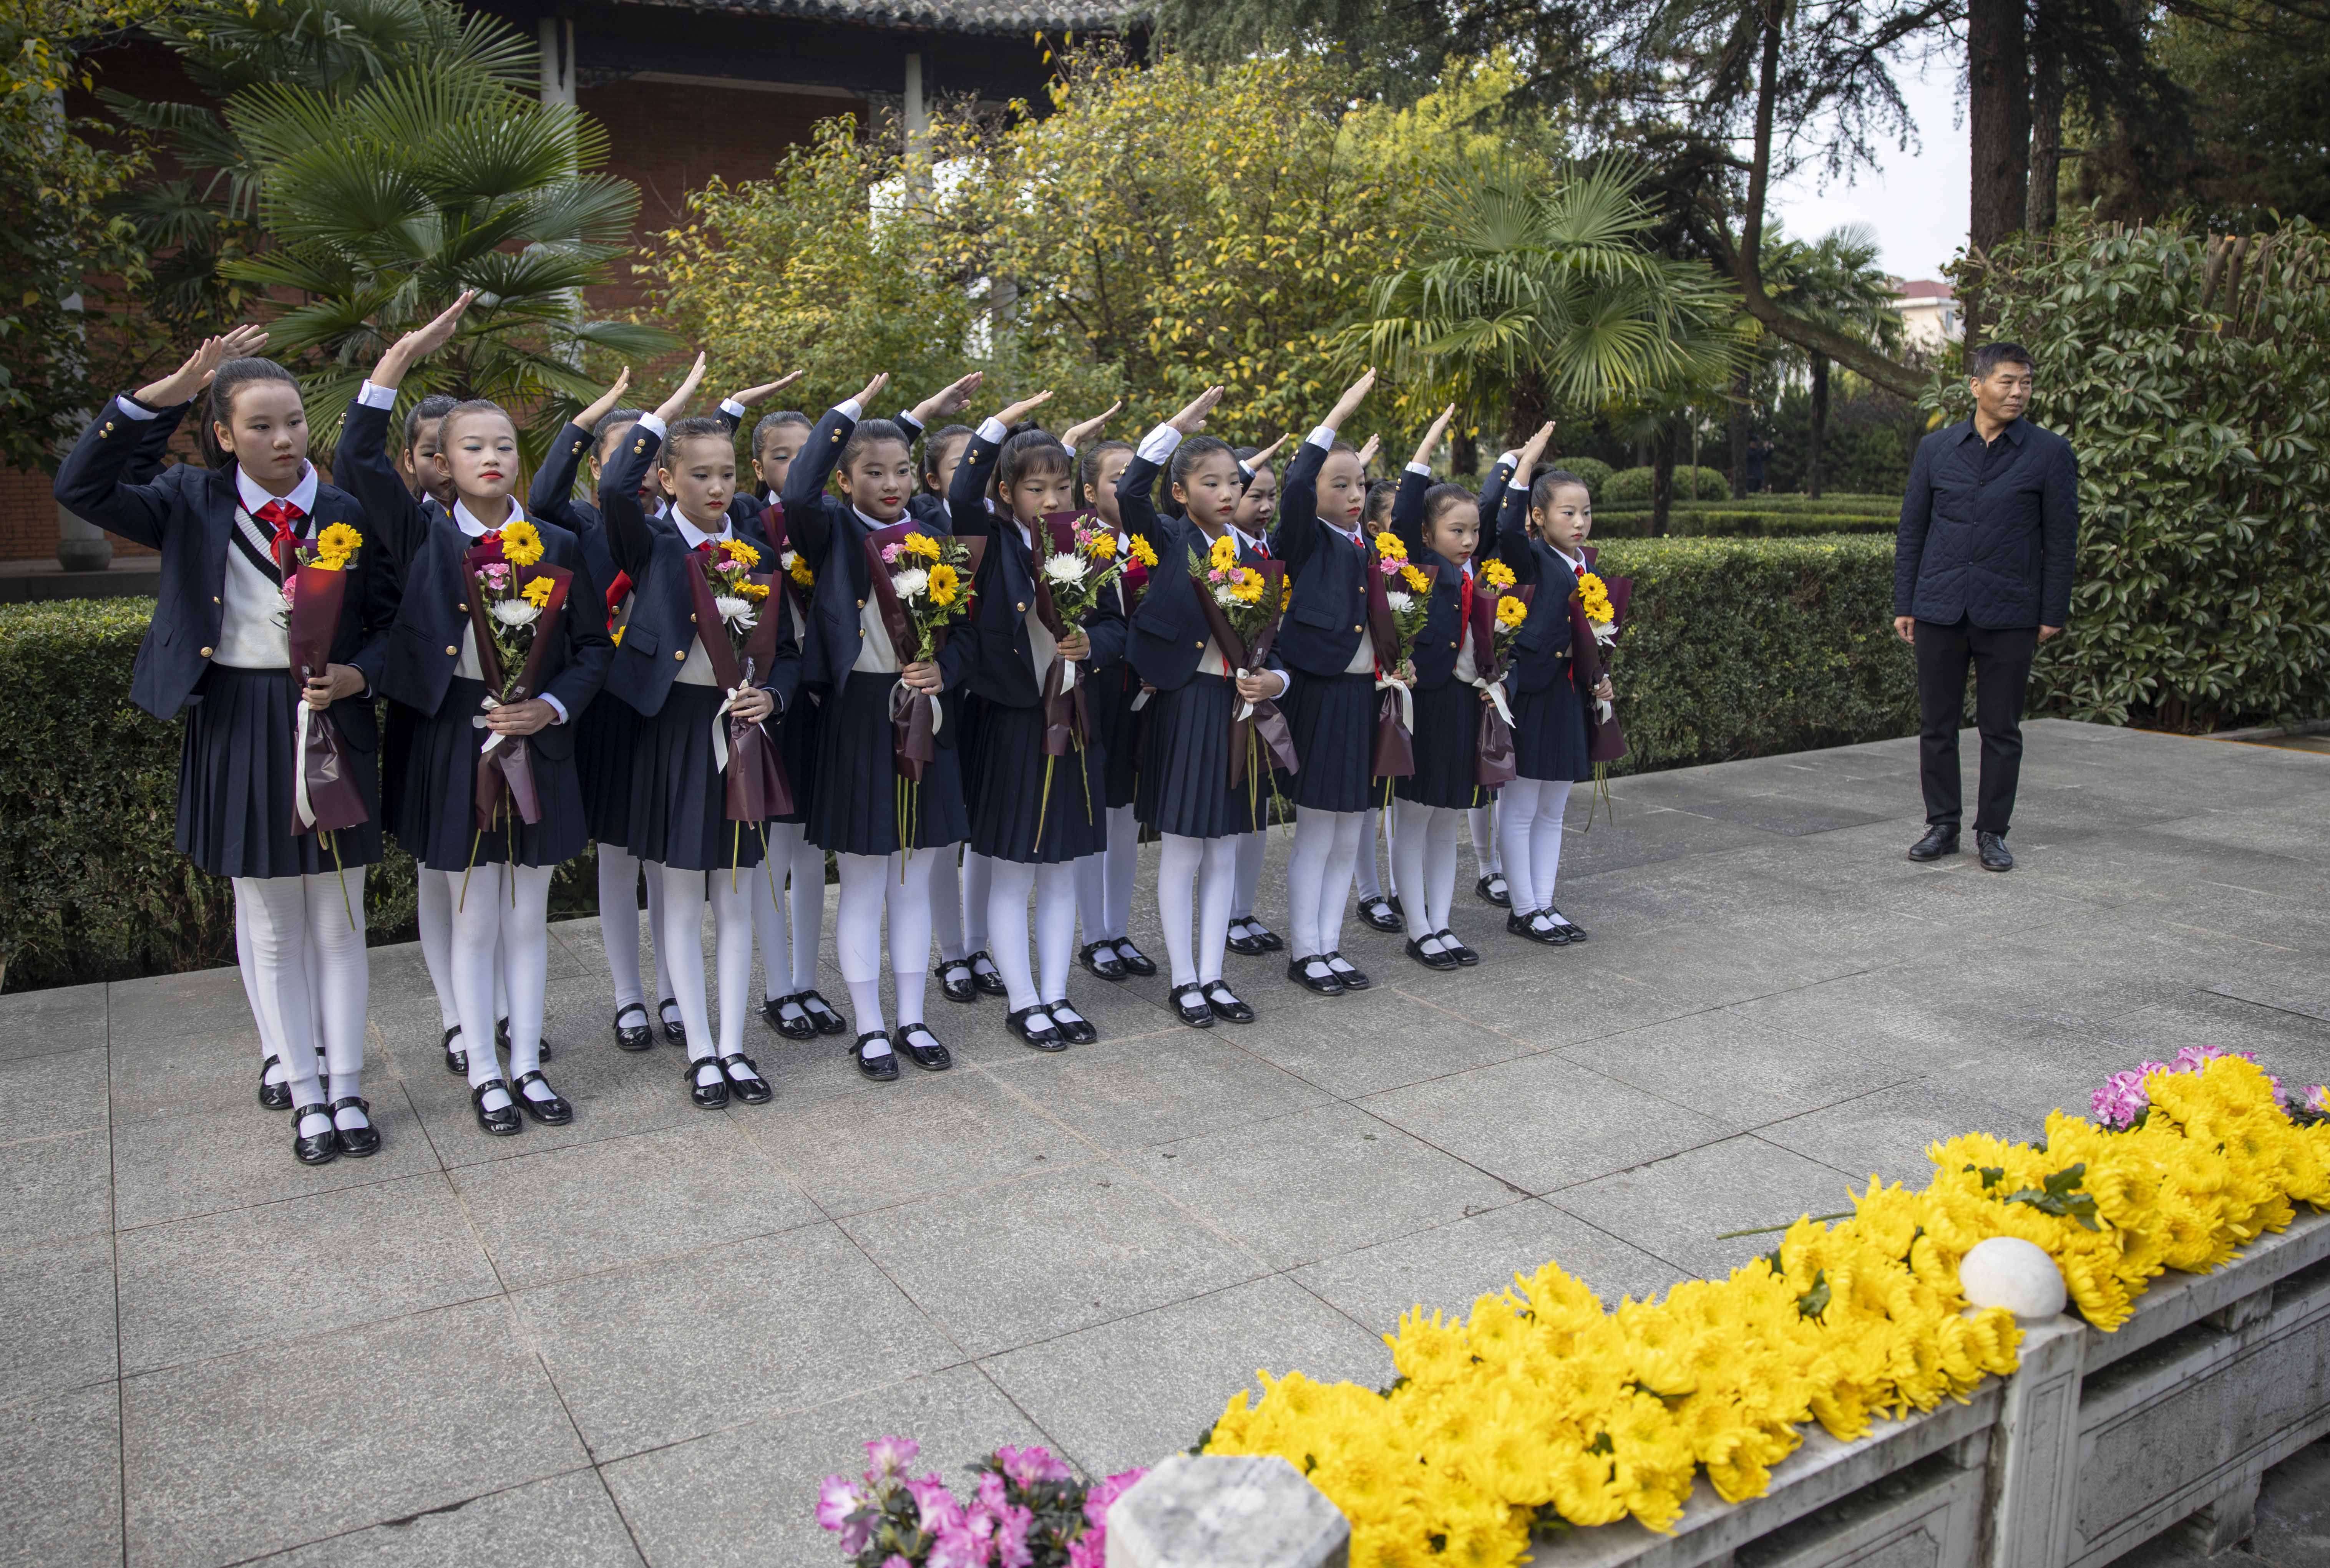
(1929, 313)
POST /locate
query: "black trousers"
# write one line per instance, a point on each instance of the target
(2001, 657)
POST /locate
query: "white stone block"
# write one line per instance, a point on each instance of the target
(1226, 1511)
(2009, 1272)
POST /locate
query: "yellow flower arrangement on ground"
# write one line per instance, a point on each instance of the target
(1542, 1405)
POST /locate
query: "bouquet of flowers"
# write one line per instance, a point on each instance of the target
(1501, 609)
(728, 594)
(1242, 604)
(324, 798)
(1077, 562)
(1026, 1510)
(514, 604)
(922, 585)
(1399, 597)
(1595, 611)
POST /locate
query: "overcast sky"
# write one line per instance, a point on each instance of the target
(1916, 200)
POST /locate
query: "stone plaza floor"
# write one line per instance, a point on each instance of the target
(645, 1336)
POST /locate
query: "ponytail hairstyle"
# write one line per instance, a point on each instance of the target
(611, 424)
(218, 405)
(1548, 481)
(777, 421)
(1376, 512)
(1089, 463)
(1031, 450)
(432, 408)
(933, 445)
(868, 433)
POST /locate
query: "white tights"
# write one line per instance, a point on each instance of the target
(501, 942)
(1207, 868)
(1053, 886)
(1528, 823)
(684, 893)
(434, 899)
(1250, 849)
(1319, 878)
(1424, 863)
(792, 859)
(619, 926)
(310, 982)
(1364, 863)
(902, 883)
(1484, 839)
(957, 901)
(1104, 881)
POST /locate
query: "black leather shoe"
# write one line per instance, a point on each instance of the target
(931, 1058)
(1571, 932)
(1992, 849)
(1492, 888)
(953, 976)
(1190, 1006)
(1940, 840)
(501, 1123)
(637, 1036)
(1525, 925)
(709, 1096)
(1043, 1036)
(551, 1112)
(798, 1028)
(1354, 978)
(880, 1068)
(355, 1141)
(1243, 944)
(1101, 959)
(1443, 959)
(323, 1147)
(821, 1014)
(273, 1096)
(744, 1079)
(1297, 970)
(990, 980)
(1271, 942)
(1463, 955)
(1378, 912)
(1225, 1005)
(1134, 960)
(674, 1030)
(457, 1063)
(1075, 1029)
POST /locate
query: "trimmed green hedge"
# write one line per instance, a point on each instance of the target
(1592, 470)
(1722, 522)
(1690, 484)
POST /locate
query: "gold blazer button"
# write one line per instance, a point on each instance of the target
(206, 653)
(450, 650)
(462, 608)
(679, 654)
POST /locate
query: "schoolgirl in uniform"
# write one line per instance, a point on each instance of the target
(1185, 788)
(777, 440)
(1257, 507)
(961, 882)
(498, 880)
(853, 801)
(217, 651)
(1381, 912)
(1104, 881)
(1541, 535)
(1488, 855)
(1439, 525)
(1331, 708)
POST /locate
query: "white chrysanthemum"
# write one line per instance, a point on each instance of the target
(1224, 597)
(1065, 570)
(733, 610)
(515, 612)
(912, 583)
(789, 560)
(1400, 602)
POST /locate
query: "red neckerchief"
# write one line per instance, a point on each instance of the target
(1464, 598)
(283, 518)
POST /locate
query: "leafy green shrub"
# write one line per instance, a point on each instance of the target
(1690, 484)
(1723, 522)
(2187, 374)
(1592, 470)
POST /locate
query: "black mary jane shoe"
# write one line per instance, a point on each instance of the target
(357, 1142)
(953, 976)
(1443, 959)
(821, 1014)
(1077, 1029)
(710, 1096)
(1571, 932)
(1457, 951)
(1271, 942)
(1379, 912)
(1299, 971)
(1525, 925)
(880, 1068)
(1492, 890)
(1101, 959)
(323, 1147)
(1242, 944)
(502, 1123)
(674, 1029)
(747, 1084)
(800, 1028)
(1190, 1006)
(1044, 1037)
(639, 1036)
(1354, 978)
(1134, 960)
(988, 981)
(457, 1063)
(273, 1096)
(1225, 1005)
(554, 1112)
(931, 1058)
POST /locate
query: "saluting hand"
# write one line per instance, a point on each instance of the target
(1073, 436)
(869, 392)
(1353, 395)
(677, 404)
(605, 402)
(761, 393)
(1014, 413)
(1192, 417)
(421, 342)
(949, 400)
(1264, 456)
(180, 384)
(1437, 433)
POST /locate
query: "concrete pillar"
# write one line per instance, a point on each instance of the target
(917, 118)
(1225, 1511)
(2033, 1482)
(555, 40)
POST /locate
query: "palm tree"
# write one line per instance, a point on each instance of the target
(1834, 281)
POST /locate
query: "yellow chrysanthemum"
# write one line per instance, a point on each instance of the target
(1497, 574)
(946, 582)
(1416, 580)
(1224, 554)
(521, 542)
(1101, 545)
(1143, 553)
(536, 591)
(740, 549)
(801, 574)
(921, 544)
(1510, 612)
(1387, 545)
(618, 635)
(755, 591)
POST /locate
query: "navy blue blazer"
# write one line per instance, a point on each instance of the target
(1005, 671)
(1990, 544)
(552, 495)
(827, 532)
(1437, 646)
(1541, 648)
(1329, 613)
(426, 645)
(662, 624)
(1166, 638)
(187, 514)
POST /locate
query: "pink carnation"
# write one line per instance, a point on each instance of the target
(495, 574)
(890, 554)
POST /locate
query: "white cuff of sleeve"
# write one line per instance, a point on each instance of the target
(138, 410)
(1325, 435)
(1067, 448)
(733, 408)
(908, 422)
(1285, 681)
(1159, 444)
(653, 424)
(1518, 486)
(555, 706)
(848, 410)
(375, 396)
(1509, 460)
(991, 429)
(1420, 469)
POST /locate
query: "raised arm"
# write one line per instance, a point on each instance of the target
(103, 480)
(1136, 500)
(967, 491)
(1296, 537)
(362, 465)
(803, 496)
(1512, 516)
(629, 538)
(551, 494)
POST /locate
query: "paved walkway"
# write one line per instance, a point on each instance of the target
(646, 1336)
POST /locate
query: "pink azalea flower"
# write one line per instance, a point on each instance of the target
(990, 1494)
(835, 1502)
(1011, 1548)
(2317, 1100)
(894, 1560)
(936, 1506)
(891, 1455)
(1103, 1493)
(1088, 1552)
(1030, 1465)
(957, 1547)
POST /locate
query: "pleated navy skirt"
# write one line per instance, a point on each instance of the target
(859, 799)
(1334, 719)
(440, 825)
(1021, 815)
(1446, 737)
(1108, 704)
(796, 735)
(604, 738)
(1549, 735)
(1185, 773)
(967, 711)
(680, 797)
(235, 782)
(396, 727)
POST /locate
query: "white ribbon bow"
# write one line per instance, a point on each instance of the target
(299, 767)
(1406, 701)
(489, 702)
(902, 694)
(1496, 690)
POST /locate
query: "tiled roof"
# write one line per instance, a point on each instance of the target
(1924, 290)
(980, 16)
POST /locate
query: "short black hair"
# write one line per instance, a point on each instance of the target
(1991, 355)
(868, 433)
(218, 404)
(1090, 459)
(611, 424)
(428, 411)
(1438, 499)
(1031, 450)
(777, 421)
(934, 443)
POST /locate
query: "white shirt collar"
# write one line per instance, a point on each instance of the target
(1353, 535)
(870, 523)
(692, 537)
(1576, 563)
(466, 520)
(302, 495)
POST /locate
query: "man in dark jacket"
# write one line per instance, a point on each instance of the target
(1982, 575)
